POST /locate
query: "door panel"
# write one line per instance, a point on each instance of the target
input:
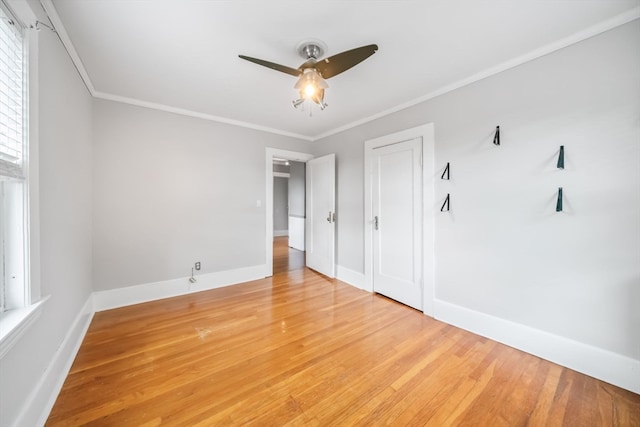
(320, 225)
(397, 209)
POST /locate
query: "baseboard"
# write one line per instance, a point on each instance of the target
(350, 277)
(120, 297)
(604, 365)
(280, 233)
(38, 405)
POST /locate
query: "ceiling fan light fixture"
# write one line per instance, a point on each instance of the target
(310, 83)
(311, 86)
(312, 73)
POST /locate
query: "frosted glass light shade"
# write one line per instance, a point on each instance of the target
(310, 84)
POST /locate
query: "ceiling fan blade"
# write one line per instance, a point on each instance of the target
(273, 66)
(336, 64)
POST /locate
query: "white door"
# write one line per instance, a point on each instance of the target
(320, 224)
(397, 221)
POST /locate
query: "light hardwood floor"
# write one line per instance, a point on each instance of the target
(300, 349)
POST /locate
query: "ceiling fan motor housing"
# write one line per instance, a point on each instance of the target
(311, 49)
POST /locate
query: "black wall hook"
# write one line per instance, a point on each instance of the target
(445, 172)
(559, 201)
(561, 158)
(496, 137)
(445, 204)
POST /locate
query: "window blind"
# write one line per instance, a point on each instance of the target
(11, 99)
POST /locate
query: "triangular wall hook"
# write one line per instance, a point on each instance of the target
(445, 206)
(496, 137)
(561, 158)
(445, 173)
(559, 201)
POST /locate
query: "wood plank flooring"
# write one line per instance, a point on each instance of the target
(300, 349)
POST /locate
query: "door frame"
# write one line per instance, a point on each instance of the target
(270, 153)
(426, 132)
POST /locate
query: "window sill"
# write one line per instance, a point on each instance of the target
(14, 323)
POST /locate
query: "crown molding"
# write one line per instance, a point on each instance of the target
(585, 34)
(577, 37)
(51, 12)
(197, 114)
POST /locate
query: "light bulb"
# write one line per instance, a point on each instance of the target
(309, 90)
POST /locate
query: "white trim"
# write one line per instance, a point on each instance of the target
(38, 405)
(27, 17)
(426, 132)
(121, 297)
(14, 323)
(350, 277)
(22, 11)
(281, 175)
(613, 368)
(51, 12)
(33, 165)
(280, 233)
(270, 153)
(198, 115)
(585, 34)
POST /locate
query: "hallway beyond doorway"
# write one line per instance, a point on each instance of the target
(286, 258)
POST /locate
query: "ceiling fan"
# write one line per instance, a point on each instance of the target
(313, 72)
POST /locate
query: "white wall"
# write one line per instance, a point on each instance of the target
(167, 191)
(280, 205)
(172, 190)
(297, 189)
(28, 372)
(503, 251)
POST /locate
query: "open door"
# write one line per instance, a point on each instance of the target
(320, 223)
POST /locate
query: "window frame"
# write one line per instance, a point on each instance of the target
(14, 323)
(14, 202)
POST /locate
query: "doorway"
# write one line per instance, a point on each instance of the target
(288, 215)
(293, 222)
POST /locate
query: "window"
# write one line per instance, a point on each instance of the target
(14, 288)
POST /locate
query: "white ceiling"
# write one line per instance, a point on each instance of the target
(182, 55)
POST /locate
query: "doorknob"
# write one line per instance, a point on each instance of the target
(375, 222)
(331, 217)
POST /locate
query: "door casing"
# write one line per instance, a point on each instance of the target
(426, 133)
(270, 154)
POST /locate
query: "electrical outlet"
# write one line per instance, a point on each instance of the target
(198, 265)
